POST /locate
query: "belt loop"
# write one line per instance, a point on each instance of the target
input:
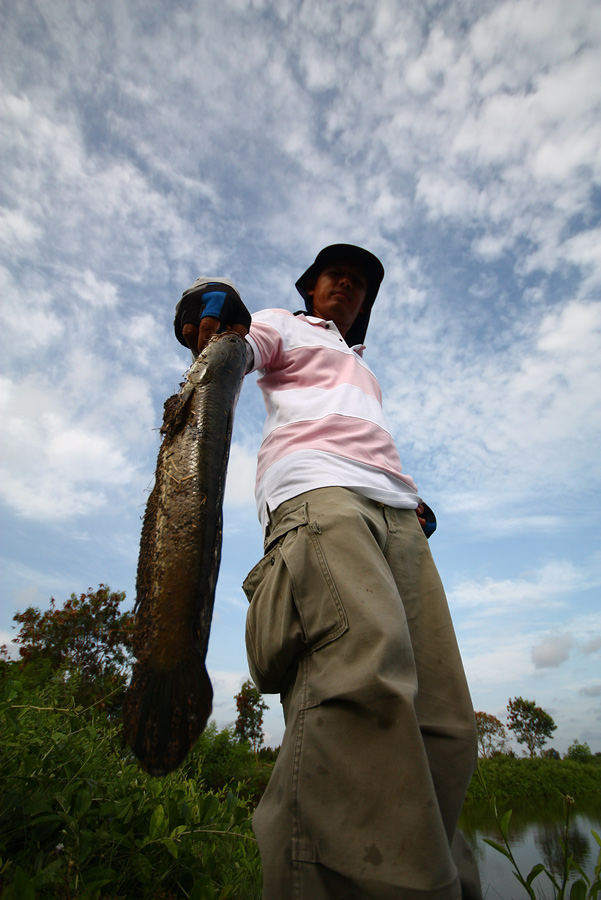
(268, 528)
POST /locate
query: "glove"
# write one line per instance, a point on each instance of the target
(210, 297)
(424, 512)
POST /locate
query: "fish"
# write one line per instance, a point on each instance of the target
(169, 699)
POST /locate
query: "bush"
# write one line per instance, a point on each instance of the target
(79, 818)
(579, 752)
(551, 753)
(228, 762)
(534, 777)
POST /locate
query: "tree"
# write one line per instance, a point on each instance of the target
(579, 752)
(87, 635)
(249, 724)
(531, 724)
(492, 736)
(551, 753)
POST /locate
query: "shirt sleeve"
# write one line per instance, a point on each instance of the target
(266, 340)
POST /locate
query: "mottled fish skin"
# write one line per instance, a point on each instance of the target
(169, 700)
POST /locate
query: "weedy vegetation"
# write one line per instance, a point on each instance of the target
(80, 819)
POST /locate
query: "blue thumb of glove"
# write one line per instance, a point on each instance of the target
(214, 301)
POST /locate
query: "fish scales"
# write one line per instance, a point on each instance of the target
(169, 700)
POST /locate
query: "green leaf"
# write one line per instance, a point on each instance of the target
(143, 868)
(578, 891)
(86, 844)
(173, 811)
(95, 884)
(576, 865)
(58, 818)
(499, 847)
(535, 872)
(155, 829)
(22, 886)
(171, 846)
(125, 810)
(238, 816)
(210, 806)
(504, 823)
(202, 889)
(83, 802)
(227, 892)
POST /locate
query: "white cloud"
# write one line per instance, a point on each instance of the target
(552, 651)
(592, 645)
(92, 290)
(543, 588)
(6, 638)
(65, 446)
(226, 684)
(515, 412)
(240, 484)
(582, 250)
(29, 321)
(591, 690)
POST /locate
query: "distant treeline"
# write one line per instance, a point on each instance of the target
(513, 778)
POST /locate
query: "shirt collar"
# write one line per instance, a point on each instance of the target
(330, 325)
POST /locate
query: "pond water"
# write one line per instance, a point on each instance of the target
(535, 832)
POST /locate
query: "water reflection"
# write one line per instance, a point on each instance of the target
(535, 834)
(548, 840)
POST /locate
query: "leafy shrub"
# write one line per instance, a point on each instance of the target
(79, 818)
(228, 762)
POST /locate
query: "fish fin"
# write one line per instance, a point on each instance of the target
(165, 712)
(175, 409)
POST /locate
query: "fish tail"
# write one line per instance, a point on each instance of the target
(165, 711)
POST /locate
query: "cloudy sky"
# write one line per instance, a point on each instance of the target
(148, 143)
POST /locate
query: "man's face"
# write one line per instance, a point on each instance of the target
(339, 294)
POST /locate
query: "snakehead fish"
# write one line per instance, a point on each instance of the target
(169, 699)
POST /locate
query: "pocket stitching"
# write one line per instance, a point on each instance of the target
(342, 626)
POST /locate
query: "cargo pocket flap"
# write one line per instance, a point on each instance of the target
(294, 518)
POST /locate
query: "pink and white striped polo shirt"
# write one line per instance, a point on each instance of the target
(325, 425)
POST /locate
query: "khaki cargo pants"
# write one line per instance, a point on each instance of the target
(348, 620)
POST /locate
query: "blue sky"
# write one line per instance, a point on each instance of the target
(146, 144)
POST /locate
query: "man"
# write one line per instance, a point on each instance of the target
(348, 620)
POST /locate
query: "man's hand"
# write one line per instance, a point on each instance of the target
(198, 336)
(210, 306)
(426, 519)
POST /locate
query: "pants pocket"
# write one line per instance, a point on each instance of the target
(295, 608)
